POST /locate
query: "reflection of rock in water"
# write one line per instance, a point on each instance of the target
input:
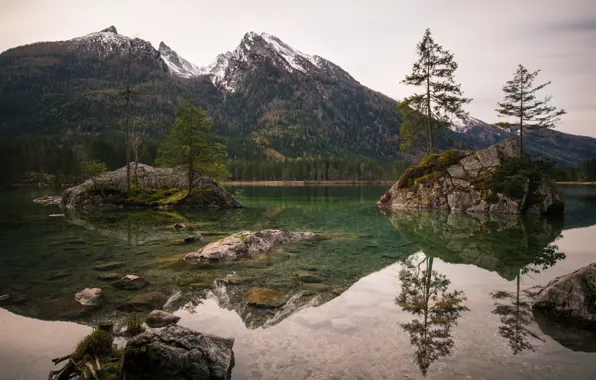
(424, 294)
(570, 337)
(501, 243)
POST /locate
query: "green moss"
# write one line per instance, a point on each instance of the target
(97, 344)
(432, 167)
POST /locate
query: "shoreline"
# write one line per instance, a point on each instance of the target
(306, 183)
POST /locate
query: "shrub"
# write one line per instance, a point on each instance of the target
(511, 176)
(134, 325)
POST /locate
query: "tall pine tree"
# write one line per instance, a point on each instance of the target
(521, 102)
(441, 99)
(192, 145)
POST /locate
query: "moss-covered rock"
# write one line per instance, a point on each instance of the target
(494, 180)
(152, 188)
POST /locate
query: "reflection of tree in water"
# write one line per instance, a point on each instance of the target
(424, 294)
(516, 314)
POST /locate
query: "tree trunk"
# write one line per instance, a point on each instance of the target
(431, 139)
(521, 118)
(190, 172)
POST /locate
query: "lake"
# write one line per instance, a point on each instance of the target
(355, 323)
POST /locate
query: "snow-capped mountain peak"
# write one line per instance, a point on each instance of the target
(228, 70)
(176, 64)
(106, 36)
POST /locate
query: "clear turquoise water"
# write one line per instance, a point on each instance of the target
(359, 334)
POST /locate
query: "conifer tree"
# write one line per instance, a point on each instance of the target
(192, 145)
(521, 102)
(441, 98)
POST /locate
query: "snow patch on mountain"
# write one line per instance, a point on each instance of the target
(176, 64)
(228, 70)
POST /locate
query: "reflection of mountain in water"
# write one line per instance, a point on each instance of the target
(500, 243)
(425, 294)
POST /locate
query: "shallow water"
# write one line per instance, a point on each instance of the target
(361, 333)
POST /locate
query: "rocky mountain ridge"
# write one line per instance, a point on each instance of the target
(263, 96)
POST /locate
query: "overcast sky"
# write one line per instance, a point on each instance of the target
(373, 40)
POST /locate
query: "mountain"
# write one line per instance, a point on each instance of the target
(265, 97)
(565, 149)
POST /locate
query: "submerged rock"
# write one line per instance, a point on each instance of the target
(49, 200)
(108, 266)
(178, 353)
(571, 298)
(108, 191)
(246, 244)
(266, 298)
(108, 276)
(144, 302)
(131, 282)
(159, 318)
(90, 297)
(306, 276)
(461, 181)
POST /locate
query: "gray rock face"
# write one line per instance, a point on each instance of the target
(246, 244)
(159, 318)
(113, 185)
(571, 298)
(465, 186)
(471, 163)
(131, 282)
(89, 297)
(178, 353)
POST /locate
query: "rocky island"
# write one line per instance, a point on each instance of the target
(494, 180)
(152, 188)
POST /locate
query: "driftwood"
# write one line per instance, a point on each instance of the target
(60, 360)
(74, 370)
(69, 371)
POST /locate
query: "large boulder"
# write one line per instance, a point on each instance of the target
(463, 181)
(159, 318)
(178, 353)
(246, 244)
(161, 187)
(571, 298)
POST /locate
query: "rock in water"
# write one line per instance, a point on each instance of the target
(571, 298)
(158, 318)
(89, 297)
(266, 298)
(193, 239)
(108, 276)
(131, 282)
(112, 193)
(178, 353)
(461, 181)
(246, 244)
(49, 200)
(144, 302)
(109, 266)
(306, 276)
